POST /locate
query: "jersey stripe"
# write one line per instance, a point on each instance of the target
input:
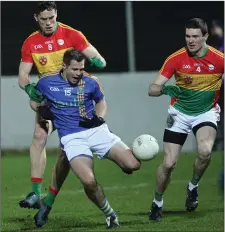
(182, 50)
(34, 33)
(72, 29)
(96, 79)
(217, 52)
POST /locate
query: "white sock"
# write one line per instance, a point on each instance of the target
(158, 203)
(191, 186)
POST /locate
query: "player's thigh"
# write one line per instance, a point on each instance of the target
(205, 137)
(205, 130)
(172, 142)
(76, 145)
(40, 130)
(121, 154)
(83, 169)
(62, 161)
(101, 140)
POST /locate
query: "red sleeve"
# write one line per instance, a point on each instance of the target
(26, 55)
(168, 68)
(79, 41)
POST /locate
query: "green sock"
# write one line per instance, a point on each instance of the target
(36, 185)
(106, 209)
(195, 180)
(50, 198)
(158, 196)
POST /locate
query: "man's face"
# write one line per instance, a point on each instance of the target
(74, 72)
(194, 39)
(47, 21)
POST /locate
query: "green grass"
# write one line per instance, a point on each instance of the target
(130, 196)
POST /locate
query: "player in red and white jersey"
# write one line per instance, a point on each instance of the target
(198, 70)
(44, 49)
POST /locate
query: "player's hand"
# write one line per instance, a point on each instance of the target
(45, 112)
(96, 62)
(33, 93)
(171, 90)
(91, 123)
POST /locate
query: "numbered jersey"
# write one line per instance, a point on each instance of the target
(70, 103)
(47, 52)
(199, 78)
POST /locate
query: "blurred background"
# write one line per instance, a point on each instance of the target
(134, 37)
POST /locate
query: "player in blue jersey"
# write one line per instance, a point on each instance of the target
(82, 129)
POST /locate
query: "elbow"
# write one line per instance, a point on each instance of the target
(103, 63)
(150, 91)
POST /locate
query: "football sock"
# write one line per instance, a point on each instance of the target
(158, 199)
(50, 198)
(193, 183)
(36, 185)
(106, 209)
(192, 186)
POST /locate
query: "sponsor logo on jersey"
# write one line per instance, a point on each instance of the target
(211, 67)
(60, 41)
(49, 42)
(188, 80)
(43, 60)
(186, 66)
(54, 89)
(198, 64)
(38, 46)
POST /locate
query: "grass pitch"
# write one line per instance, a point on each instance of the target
(130, 196)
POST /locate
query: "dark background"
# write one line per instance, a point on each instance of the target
(158, 28)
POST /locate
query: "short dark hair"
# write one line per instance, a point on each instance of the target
(72, 54)
(197, 23)
(45, 5)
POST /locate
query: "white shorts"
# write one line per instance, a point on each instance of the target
(182, 123)
(98, 140)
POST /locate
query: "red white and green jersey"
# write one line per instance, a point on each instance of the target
(199, 79)
(47, 52)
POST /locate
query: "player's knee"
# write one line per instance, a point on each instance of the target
(169, 163)
(90, 185)
(204, 151)
(40, 137)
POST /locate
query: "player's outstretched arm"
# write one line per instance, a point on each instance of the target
(95, 58)
(155, 88)
(24, 72)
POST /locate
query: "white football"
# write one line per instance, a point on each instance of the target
(145, 147)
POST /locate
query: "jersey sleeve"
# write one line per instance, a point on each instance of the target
(79, 41)
(98, 93)
(168, 68)
(26, 55)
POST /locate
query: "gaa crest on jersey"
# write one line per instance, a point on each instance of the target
(43, 60)
(211, 67)
(60, 41)
(188, 80)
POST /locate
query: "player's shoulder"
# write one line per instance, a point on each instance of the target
(216, 52)
(32, 37)
(67, 28)
(90, 78)
(177, 54)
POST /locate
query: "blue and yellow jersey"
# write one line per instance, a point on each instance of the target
(70, 103)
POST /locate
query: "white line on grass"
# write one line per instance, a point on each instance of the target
(111, 188)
